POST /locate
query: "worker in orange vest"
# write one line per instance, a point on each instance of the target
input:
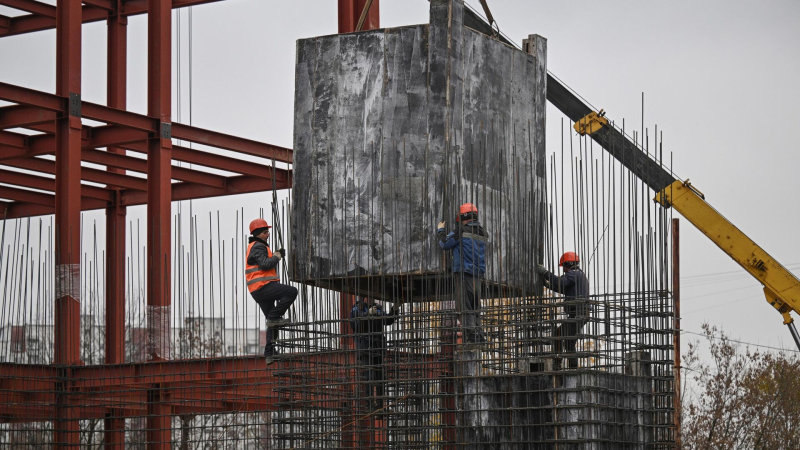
(264, 284)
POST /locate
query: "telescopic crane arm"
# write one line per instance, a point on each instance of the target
(781, 287)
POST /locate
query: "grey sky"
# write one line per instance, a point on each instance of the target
(719, 78)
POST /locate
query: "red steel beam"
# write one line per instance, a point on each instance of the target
(9, 139)
(85, 173)
(115, 116)
(91, 13)
(124, 162)
(215, 161)
(17, 157)
(49, 200)
(207, 159)
(32, 7)
(107, 5)
(32, 97)
(114, 136)
(18, 210)
(16, 146)
(49, 184)
(133, 197)
(202, 386)
(235, 185)
(241, 145)
(22, 116)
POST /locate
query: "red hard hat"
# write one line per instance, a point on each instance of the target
(569, 257)
(466, 208)
(258, 223)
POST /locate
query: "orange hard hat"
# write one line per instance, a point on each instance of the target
(258, 223)
(569, 257)
(468, 208)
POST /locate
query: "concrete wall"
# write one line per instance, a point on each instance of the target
(581, 411)
(395, 128)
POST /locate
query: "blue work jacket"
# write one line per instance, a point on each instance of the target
(468, 243)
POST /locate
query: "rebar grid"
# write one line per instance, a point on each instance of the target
(515, 391)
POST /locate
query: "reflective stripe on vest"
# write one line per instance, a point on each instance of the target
(474, 236)
(256, 277)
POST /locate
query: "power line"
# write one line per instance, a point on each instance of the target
(790, 266)
(740, 342)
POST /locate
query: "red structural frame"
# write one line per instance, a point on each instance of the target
(157, 389)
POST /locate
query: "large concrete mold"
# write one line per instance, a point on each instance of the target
(394, 129)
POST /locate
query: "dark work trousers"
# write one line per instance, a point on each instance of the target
(468, 305)
(274, 299)
(568, 332)
(372, 376)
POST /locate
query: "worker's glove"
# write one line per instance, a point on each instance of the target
(373, 311)
(281, 252)
(440, 226)
(546, 283)
(540, 269)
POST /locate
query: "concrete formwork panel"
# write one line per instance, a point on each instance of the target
(394, 129)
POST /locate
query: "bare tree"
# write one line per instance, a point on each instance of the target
(744, 399)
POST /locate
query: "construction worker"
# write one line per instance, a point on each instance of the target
(367, 320)
(468, 243)
(575, 287)
(264, 284)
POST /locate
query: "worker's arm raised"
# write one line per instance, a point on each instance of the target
(446, 241)
(559, 284)
(260, 256)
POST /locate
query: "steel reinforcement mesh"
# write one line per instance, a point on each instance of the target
(542, 379)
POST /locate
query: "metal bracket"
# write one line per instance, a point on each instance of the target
(74, 104)
(166, 130)
(694, 189)
(593, 122)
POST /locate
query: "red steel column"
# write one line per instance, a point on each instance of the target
(68, 214)
(349, 13)
(159, 196)
(676, 297)
(117, 54)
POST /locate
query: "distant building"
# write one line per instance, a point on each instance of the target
(199, 337)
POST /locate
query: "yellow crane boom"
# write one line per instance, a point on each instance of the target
(781, 287)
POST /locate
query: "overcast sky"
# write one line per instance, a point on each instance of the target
(719, 78)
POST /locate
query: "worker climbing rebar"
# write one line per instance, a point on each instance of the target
(575, 287)
(468, 243)
(264, 284)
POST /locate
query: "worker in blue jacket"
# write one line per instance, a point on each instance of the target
(468, 244)
(575, 287)
(367, 320)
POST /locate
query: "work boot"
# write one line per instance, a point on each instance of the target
(271, 355)
(279, 322)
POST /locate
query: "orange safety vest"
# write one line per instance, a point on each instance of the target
(256, 277)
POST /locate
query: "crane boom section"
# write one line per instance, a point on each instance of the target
(781, 287)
